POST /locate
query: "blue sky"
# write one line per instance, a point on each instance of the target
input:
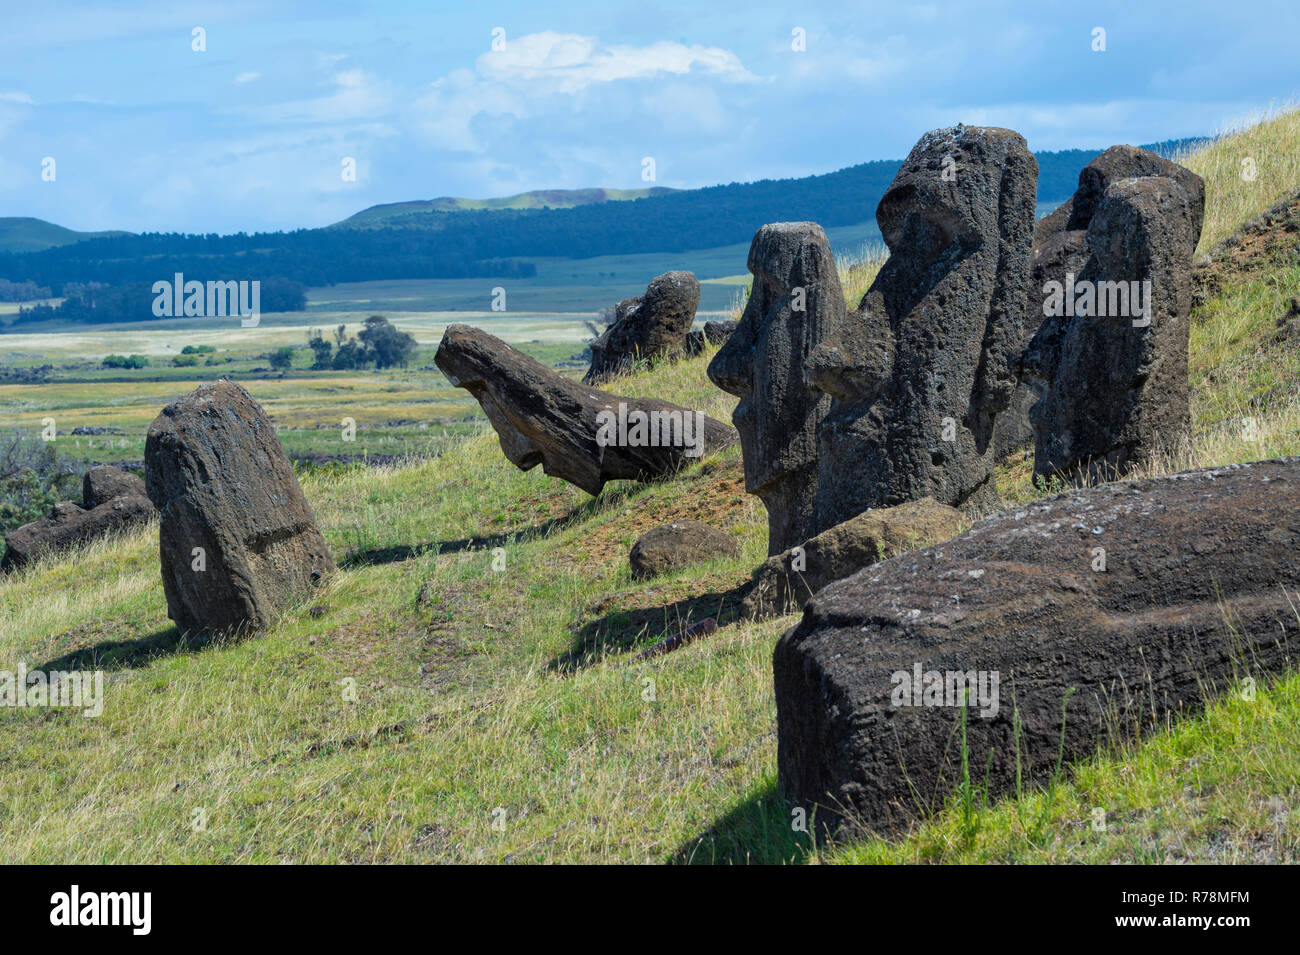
(251, 133)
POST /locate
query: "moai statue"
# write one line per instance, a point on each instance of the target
(795, 301)
(1061, 248)
(656, 324)
(920, 372)
(1111, 353)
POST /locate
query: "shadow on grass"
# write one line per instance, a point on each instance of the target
(400, 552)
(126, 654)
(758, 831)
(621, 630)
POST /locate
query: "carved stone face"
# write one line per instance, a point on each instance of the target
(796, 298)
(919, 372)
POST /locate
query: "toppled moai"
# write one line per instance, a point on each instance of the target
(238, 540)
(653, 325)
(795, 301)
(575, 432)
(1093, 617)
(920, 372)
(1114, 286)
(111, 501)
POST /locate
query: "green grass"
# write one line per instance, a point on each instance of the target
(1247, 170)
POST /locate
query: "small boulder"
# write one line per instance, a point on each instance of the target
(713, 333)
(783, 584)
(673, 546)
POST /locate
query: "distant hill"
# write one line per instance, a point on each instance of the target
(25, 234)
(388, 213)
(1058, 174)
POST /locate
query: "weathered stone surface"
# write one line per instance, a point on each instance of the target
(670, 547)
(1113, 377)
(795, 301)
(713, 333)
(221, 481)
(1061, 247)
(105, 483)
(920, 372)
(651, 325)
(1022, 595)
(782, 584)
(1061, 238)
(544, 418)
(69, 525)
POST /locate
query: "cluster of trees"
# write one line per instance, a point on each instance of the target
(33, 478)
(22, 291)
(94, 303)
(378, 343)
(305, 256)
(126, 361)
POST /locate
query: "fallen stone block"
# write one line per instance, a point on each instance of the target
(783, 584)
(69, 526)
(1123, 607)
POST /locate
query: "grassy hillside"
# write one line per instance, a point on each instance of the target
(507, 719)
(25, 234)
(386, 214)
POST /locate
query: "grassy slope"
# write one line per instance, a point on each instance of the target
(513, 691)
(392, 212)
(25, 234)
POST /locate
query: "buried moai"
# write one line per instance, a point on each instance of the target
(1111, 353)
(919, 373)
(1061, 249)
(796, 299)
(238, 541)
(654, 325)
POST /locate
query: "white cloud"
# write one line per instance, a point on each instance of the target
(567, 63)
(457, 111)
(247, 77)
(16, 97)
